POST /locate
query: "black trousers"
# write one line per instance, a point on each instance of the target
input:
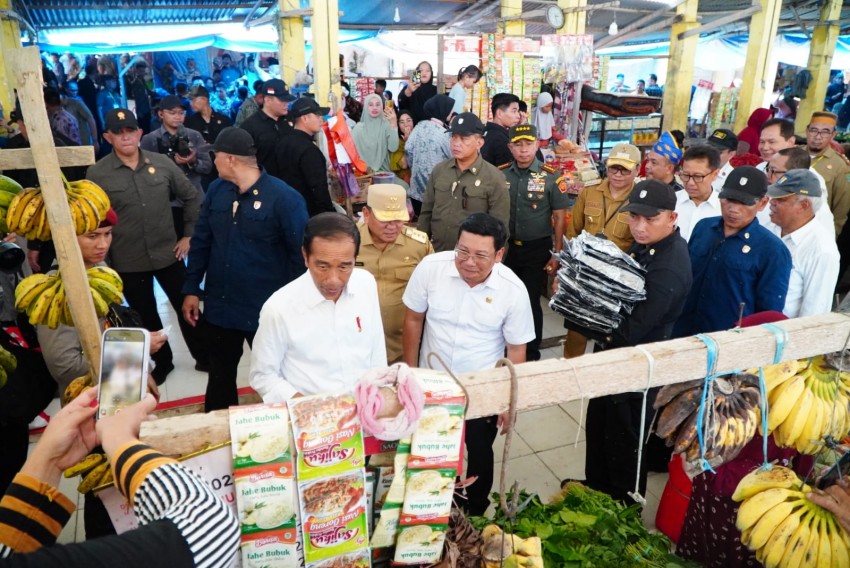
(480, 434)
(138, 288)
(225, 348)
(528, 261)
(613, 437)
(15, 435)
(843, 242)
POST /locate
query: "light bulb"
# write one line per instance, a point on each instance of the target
(613, 29)
(397, 17)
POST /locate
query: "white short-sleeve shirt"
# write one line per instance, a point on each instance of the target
(309, 345)
(468, 327)
(690, 213)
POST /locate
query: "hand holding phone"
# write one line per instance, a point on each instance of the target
(123, 368)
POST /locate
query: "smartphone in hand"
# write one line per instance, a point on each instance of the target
(123, 368)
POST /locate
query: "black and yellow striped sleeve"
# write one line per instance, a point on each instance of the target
(131, 465)
(32, 514)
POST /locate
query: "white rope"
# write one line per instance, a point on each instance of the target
(582, 400)
(651, 372)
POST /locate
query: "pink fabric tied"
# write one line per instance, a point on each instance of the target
(370, 401)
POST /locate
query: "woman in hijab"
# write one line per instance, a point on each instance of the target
(418, 91)
(748, 138)
(398, 159)
(428, 145)
(376, 135)
(544, 119)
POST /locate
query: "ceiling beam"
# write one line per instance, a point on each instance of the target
(459, 18)
(637, 25)
(720, 22)
(624, 37)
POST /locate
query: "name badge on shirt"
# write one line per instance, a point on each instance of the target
(257, 204)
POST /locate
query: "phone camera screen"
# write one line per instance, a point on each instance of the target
(121, 371)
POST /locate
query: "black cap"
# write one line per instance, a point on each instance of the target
(466, 123)
(199, 91)
(235, 141)
(745, 184)
(11, 257)
(796, 182)
(522, 132)
(723, 139)
(277, 88)
(650, 197)
(170, 102)
(306, 105)
(119, 118)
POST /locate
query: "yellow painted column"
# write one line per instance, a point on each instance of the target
(324, 25)
(10, 38)
(291, 33)
(759, 73)
(824, 38)
(513, 8)
(574, 22)
(680, 69)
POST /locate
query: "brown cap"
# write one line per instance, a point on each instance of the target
(388, 202)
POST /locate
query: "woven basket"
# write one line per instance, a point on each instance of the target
(364, 182)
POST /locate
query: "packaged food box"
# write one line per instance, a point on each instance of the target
(327, 434)
(260, 435)
(274, 549)
(438, 440)
(265, 498)
(420, 544)
(428, 497)
(333, 514)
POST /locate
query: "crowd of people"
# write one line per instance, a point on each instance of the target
(237, 225)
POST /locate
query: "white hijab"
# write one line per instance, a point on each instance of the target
(544, 121)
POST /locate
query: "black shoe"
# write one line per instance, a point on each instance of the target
(161, 372)
(202, 367)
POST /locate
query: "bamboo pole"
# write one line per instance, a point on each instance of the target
(27, 71)
(556, 381)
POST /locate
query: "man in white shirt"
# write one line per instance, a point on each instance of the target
(320, 332)
(793, 199)
(725, 142)
(783, 161)
(699, 200)
(469, 308)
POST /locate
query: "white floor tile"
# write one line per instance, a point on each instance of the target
(566, 462)
(547, 428)
(518, 448)
(532, 475)
(574, 409)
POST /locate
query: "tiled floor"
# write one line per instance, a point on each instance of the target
(541, 456)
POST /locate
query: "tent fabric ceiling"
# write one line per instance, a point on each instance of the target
(455, 16)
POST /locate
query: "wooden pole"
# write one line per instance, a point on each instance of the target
(69, 156)
(680, 73)
(760, 70)
(27, 71)
(824, 40)
(556, 381)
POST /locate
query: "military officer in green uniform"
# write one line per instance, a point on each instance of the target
(462, 185)
(539, 201)
(390, 251)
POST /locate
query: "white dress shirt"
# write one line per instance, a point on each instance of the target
(468, 327)
(309, 345)
(823, 215)
(690, 213)
(814, 270)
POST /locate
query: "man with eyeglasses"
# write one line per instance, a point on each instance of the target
(462, 185)
(796, 158)
(794, 198)
(250, 230)
(390, 251)
(739, 267)
(699, 200)
(599, 211)
(830, 165)
(539, 201)
(663, 159)
(469, 308)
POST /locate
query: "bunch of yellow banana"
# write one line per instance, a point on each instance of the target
(808, 400)
(94, 472)
(783, 527)
(9, 188)
(43, 296)
(728, 425)
(27, 214)
(8, 363)
(77, 387)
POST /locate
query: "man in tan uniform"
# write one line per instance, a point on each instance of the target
(830, 165)
(390, 251)
(598, 210)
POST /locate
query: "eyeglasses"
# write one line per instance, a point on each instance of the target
(774, 172)
(818, 133)
(619, 171)
(478, 258)
(698, 178)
